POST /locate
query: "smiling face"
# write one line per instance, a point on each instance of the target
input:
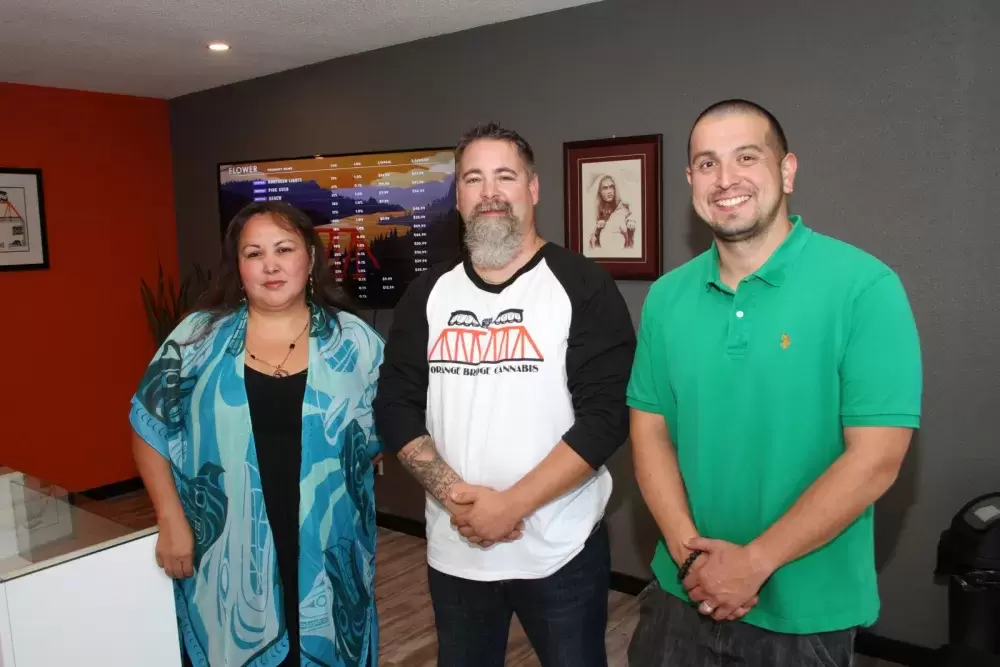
(739, 179)
(496, 197)
(274, 263)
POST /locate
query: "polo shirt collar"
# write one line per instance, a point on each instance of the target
(775, 268)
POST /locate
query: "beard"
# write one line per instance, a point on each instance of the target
(758, 224)
(493, 240)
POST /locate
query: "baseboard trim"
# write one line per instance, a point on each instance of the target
(401, 524)
(627, 583)
(114, 489)
(893, 650)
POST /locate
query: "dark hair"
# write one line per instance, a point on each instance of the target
(493, 130)
(776, 136)
(226, 294)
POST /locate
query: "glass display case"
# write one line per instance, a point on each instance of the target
(42, 525)
(77, 585)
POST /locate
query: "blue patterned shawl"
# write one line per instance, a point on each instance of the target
(191, 406)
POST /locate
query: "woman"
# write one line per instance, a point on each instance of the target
(254, 437)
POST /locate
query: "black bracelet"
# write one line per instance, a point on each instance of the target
(683, 572)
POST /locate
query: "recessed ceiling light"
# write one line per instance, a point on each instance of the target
(218, 46)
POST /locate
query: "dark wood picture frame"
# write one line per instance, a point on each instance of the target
(23, 240)
(626, 237)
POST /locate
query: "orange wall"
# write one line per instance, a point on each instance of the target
(74, 339)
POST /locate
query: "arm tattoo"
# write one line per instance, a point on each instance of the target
(421, 458)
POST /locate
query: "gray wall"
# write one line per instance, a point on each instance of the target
(890, 106)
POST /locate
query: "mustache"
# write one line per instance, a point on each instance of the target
(491, 207)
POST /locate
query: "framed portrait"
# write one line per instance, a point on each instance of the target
(23, 244)
(613, 203)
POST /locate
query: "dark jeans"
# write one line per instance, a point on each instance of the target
(563, 615)
(672, 633)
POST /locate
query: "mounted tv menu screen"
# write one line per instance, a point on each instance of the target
(383, 217)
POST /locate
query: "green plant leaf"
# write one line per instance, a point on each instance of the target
(168, 302)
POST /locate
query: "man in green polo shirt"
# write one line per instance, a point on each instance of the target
(774, 391)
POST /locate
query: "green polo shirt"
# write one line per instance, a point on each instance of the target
(756, 387)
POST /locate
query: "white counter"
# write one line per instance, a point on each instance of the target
(77, 588)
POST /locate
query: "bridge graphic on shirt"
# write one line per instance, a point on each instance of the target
(467, 340)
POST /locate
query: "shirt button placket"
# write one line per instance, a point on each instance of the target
(738, 339)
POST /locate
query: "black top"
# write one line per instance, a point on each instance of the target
(276, 414)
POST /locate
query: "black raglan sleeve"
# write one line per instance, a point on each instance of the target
(598, 360)
(401, 400)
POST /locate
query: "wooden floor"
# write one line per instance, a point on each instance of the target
(406, 620)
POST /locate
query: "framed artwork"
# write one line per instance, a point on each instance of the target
(613, 205)
(23, 244)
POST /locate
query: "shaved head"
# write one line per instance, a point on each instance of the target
(775, 136)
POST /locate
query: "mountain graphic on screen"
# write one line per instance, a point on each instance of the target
(380, 226)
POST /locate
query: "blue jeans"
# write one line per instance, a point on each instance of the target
(563, 615)
(673, 633)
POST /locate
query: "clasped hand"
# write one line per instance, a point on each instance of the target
(725, 579)
(484, 516)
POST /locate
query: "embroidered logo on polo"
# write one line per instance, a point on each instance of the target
(470, 346)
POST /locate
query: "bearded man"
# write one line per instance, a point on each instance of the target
(503, 392)
(613, 213)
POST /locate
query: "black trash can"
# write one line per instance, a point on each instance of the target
(969, 556)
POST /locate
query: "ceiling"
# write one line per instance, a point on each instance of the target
(158, 48)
